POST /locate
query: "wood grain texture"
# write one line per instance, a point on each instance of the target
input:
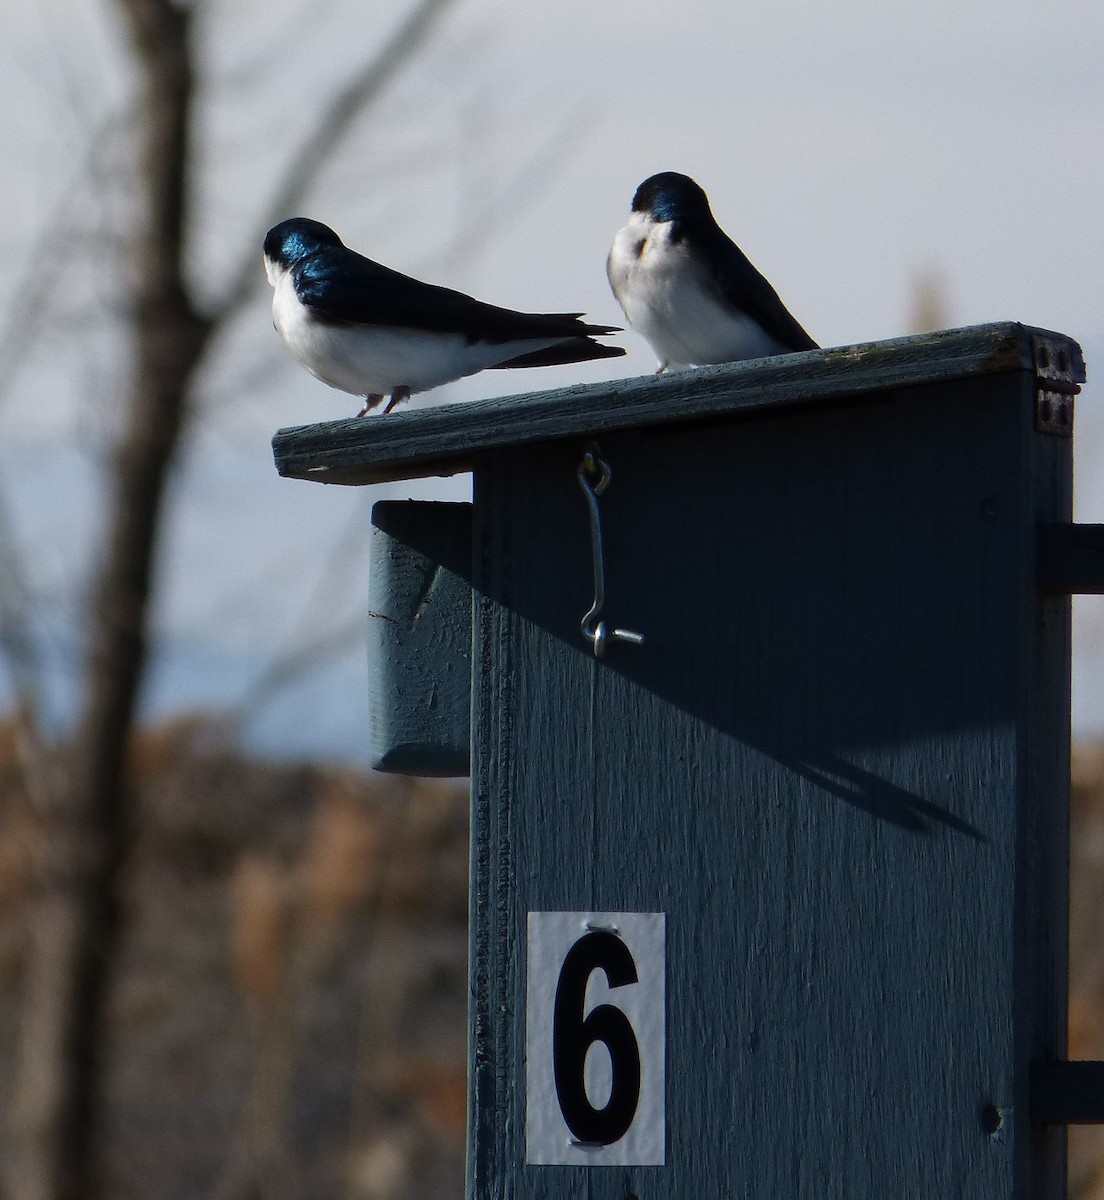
(839, 765)
(419, 637)
(446, 439)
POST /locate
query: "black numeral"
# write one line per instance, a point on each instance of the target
(573, 1035)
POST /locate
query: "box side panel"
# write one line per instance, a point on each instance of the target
(814, 767)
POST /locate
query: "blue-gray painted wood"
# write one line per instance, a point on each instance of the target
(448, 438)
(1042, 896)
(1067, 1093)
(421, 728)
(1071, 559)
(839, 764)
(419, 637)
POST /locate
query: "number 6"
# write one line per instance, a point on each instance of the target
(573, 1035)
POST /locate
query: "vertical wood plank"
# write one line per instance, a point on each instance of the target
(493, 957)
(826, 765)
(1044, 846)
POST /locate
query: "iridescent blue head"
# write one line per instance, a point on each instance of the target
(670, 196)
(295, 239)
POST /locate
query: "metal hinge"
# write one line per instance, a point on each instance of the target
(1054, 386)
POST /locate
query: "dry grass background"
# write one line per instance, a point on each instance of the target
(290, 1014)
(289, 1019)
(1086, 1007)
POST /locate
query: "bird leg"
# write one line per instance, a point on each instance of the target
(397, 397)
(370, 402)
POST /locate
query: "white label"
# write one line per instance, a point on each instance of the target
(595, 1039)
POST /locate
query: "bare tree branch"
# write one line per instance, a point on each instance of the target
(49, 258)
(303, 660)
(485, 222)
(332, 125)
(17, 641)
(77, 916)
(55, 1151)
(16, 638)
(304, 655)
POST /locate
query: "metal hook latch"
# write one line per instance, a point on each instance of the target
(595, 467)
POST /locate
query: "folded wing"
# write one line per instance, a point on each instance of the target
(345, 287)
(735, 279)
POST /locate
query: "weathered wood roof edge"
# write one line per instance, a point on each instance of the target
(445, 439)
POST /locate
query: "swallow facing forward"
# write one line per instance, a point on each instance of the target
(688, 289)
(371, 331)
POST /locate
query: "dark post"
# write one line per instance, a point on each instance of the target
(772, 902)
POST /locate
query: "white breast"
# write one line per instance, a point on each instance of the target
(667, 301)
(376, 359)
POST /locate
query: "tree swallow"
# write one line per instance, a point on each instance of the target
(688, 289)
(368, 330)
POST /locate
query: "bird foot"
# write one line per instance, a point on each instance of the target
(662, 368)
(370, 402)
(397, 397)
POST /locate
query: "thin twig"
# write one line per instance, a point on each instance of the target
(357, 95)
(49, 258)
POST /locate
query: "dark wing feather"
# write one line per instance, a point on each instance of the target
(741, 285)
(574, 350)
(342, 286)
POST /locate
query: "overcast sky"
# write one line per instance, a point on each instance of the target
(852, 150)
